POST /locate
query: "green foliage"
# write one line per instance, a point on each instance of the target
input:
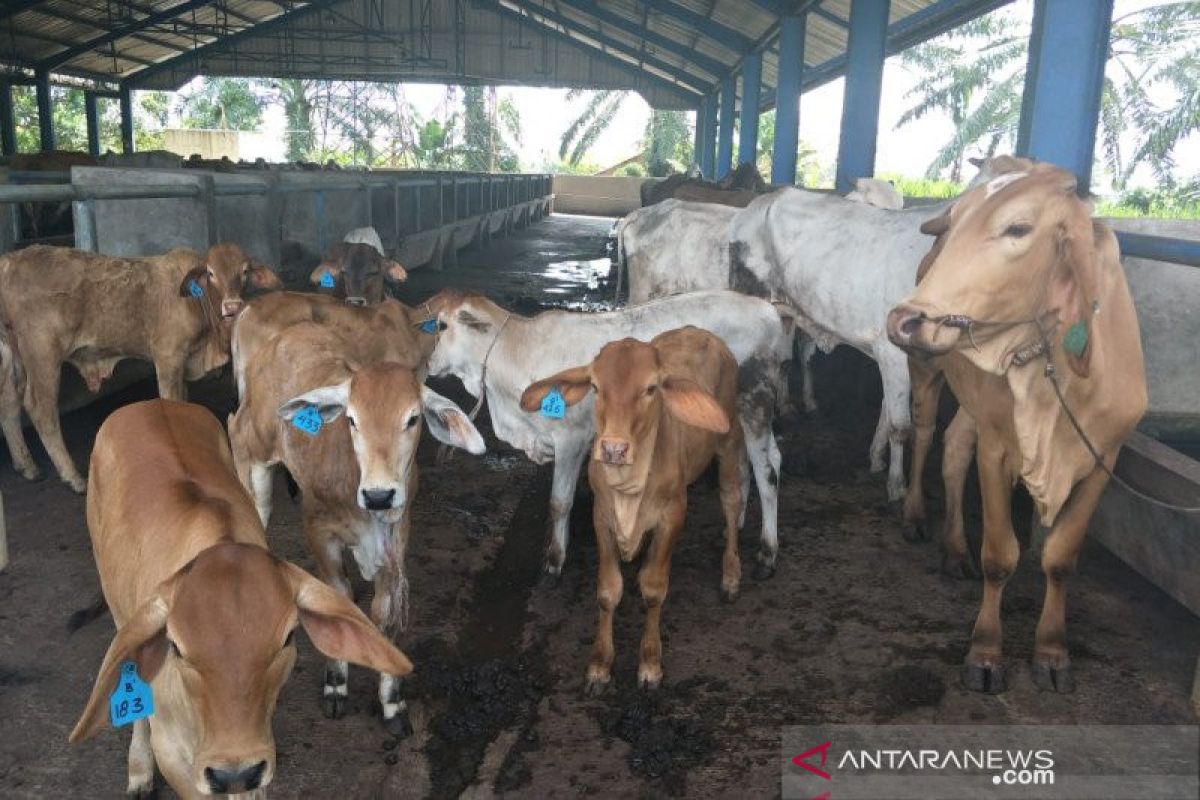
(923, 187)
(598, 113)
(223, 104)
(634, 170)
(667, 144)
(808, 171)
(1178, 203)
(489, 125)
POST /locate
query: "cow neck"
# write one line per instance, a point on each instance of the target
(628, 492)
(215, 340)
(483, 371)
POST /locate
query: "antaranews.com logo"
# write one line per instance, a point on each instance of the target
(1030, 762)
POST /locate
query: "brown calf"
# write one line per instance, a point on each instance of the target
(357, 268)
(357, 470)
(203, 610)
(663, 410)
(61, 305)
(1027, 298)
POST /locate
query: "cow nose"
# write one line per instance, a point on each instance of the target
(378, 499)
(902, 325)
(614, 451)
(230, 308)
(234, 780)
(356, 301)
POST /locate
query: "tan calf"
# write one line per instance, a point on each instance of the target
(357, 472)
(205, 612)
(93, 311)
(663, 410)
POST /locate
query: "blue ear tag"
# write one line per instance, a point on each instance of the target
(308, 419)
(1076, 339)
(132, 699)
(327, 280)
(429, 325)
(553, 405)
(195, 289)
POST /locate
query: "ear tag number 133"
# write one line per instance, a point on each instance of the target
(132, 699)
(553, 405)
(308, 419)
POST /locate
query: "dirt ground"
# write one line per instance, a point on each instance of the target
(857, 625)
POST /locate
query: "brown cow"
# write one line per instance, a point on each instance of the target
(357, 267)
(738, 188)
(1025, 300)
(203, 610)
(62, 305)
(356, 467)
(663, 410)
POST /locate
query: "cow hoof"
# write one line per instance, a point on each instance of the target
(729, 595)
(763, 571)
(30, 473)
(915, 533)
(1049, 678)
(147, 792)
(958, 567)
(551, 578)
(333, 706)
(596, 686)
(650, 683)
(400, 725)
(987, 678)
(78, 485)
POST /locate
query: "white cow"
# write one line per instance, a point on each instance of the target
(493, 350)
(876, 192)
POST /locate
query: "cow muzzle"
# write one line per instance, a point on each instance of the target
(614, 451)
(231, 308)
(235, 778)
(377, 499)
(912, 330)
(357, 301)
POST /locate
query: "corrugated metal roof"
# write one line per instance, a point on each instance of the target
(671, 51)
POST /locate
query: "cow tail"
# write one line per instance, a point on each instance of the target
(620, 258)
(83, 616)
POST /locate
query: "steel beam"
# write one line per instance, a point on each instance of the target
(725, 131)
(45, 111)
(723, 35)
(120, 32)
(864, 82)
(8, 125)
(787, 100)
(91, 112)
(126, 98)
(751, 89)
(1063, 83)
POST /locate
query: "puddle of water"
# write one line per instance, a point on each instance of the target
(587, 271)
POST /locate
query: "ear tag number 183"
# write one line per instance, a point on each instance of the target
(327, 280)
(132, 699)
(308, 419)
(553, 405)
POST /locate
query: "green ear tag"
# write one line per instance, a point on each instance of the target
(1076, 339)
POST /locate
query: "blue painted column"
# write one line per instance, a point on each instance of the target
(45, 110)
(126, 97)
(1061, 105)
(725, 132)
(708, 136)
(698, 144)
(787, 100)
(751, 99)
(860, 102)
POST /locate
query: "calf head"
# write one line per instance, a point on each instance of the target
(383, 405)
(1013, 254)
(467, 326)
(217, 642)
(226, 274)
(632, 393)
(358, 271)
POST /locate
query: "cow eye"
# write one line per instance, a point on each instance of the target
(651, 389)
(442, 326)
(211, 274)
(1018, 230)
(352, 423)
(411, 421)
(291, 638)
(174, 648)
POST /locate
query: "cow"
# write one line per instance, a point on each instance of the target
(496, 352)
(876, 192)
(737, 188)
(842, 265)
(143, 159)
(1028, 309)
(663, 410)
(92, 311)
(355, 268)
(205, 614)
(342, 413)
(45, 219)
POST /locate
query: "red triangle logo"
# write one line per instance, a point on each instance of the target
(823, 749)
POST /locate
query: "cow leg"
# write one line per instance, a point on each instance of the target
(389, 612)
(807, 350)
(1051, 662)
(957, 451)
(926, 389)
(568, 458)
(326, 550)
(765, 461)
(10, 421)
(653, 580)
(609, 586)
(141, 762)
(41, 399)
(734, 468)
(262, 480)
(879, 440)
(984, 668)
(893, 367)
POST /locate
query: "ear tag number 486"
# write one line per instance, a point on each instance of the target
(132, 699)
(308, 419)
(553, 405)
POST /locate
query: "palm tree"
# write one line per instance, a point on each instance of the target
(595, 118)
(666, 145)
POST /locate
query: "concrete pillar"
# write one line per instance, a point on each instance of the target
(45, 111)
(708, 136)
(1063, 82)
(126, 96)
(751, 90)
(787, 100)
(860, 103)
(725, 131)
(8, 125)
(92, 113)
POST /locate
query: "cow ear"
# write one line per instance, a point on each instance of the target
(977, 162)
(394, 271)
(196, 274)
(329, 400)
(938, 225)
(263, 277)
(339, 629)
(142, 640)
(573, 383)
(1073, 289)
(449, 424)
(324, 268)
(690, 404)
